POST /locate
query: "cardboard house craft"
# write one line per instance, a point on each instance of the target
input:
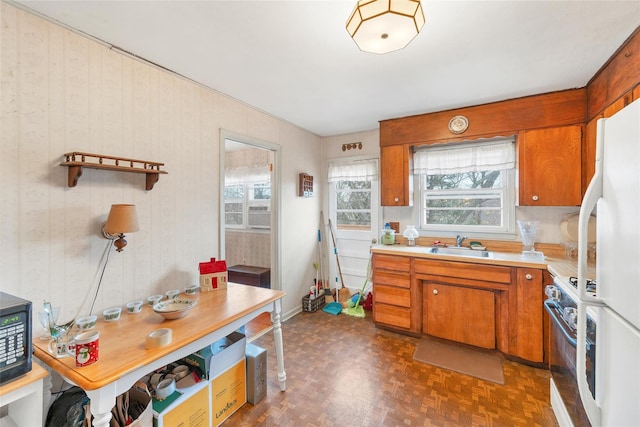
(213, 275)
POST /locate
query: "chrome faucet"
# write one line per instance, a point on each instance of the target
(460, 239)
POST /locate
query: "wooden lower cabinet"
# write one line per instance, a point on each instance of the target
(527, 341)
(461, 314)
(396, 300)
(392, 315)
(489, 306)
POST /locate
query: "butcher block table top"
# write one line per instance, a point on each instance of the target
(123, 357)
(122, 343)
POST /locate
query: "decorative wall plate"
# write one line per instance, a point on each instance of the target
(458, 124)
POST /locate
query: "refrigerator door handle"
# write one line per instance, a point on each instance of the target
(589, 202)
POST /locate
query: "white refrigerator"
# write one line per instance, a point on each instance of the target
(614, 196)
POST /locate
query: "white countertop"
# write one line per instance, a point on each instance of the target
(557, 266)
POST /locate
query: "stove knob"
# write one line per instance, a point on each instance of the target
(573, 321)
(552, 292)
(571, 317)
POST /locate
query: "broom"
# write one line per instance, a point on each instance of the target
(343, 293)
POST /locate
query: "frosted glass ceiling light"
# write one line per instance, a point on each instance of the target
(381, 26)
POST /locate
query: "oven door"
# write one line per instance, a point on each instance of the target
(562, 362)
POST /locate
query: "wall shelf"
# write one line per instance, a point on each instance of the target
(75, 161)
(305, 185)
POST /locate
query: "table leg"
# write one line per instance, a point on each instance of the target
(102, 401)
(277, 341)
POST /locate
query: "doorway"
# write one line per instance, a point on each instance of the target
(354, 209)
(249, 221)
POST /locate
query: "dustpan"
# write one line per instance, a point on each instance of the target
(333, 308)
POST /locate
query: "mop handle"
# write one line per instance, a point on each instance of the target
(335, 250)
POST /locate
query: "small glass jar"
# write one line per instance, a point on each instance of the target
(388, 236)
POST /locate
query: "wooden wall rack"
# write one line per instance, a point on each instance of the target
(75, 161)
(305, 185)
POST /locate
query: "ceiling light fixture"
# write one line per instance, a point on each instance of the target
(382, 26)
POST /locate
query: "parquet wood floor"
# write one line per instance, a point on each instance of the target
(342, 371)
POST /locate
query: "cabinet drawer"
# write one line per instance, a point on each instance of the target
(392, 295)
(382, 277)
(390, 262)
(463, 270)
(392, 315)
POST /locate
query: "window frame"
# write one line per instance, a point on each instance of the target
(508, 191)
(337, 210)
(247, 202)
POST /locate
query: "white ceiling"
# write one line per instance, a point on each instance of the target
(295, 60)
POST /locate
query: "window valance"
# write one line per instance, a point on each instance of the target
(253, 174)
(462, 158)
(354, 170)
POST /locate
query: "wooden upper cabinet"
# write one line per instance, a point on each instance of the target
(395, 186)
(636, 92)
(550, 166)
(589, 152)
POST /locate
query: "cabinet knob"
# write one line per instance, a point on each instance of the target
(435, 292)
(528, 276)
(535, 198)
(396, 200)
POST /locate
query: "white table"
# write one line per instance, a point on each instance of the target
(123, 358)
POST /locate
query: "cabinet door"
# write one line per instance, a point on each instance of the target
(394, 176)
(549, 162)
(460, 314)
(529, 322)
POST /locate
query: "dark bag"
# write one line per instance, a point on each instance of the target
(72, 409)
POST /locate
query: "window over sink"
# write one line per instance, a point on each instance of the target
(467, 187)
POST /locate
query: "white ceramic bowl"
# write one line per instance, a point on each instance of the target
(174, 308)
(86, 323)
(112, 314)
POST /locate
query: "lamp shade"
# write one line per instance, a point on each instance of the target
(382, 26)
(122, 219)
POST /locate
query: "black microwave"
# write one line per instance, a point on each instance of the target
(15, 337)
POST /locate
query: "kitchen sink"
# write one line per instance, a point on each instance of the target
(460, 251)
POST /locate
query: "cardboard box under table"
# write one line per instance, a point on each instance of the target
(184, 408)
(223, 363)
